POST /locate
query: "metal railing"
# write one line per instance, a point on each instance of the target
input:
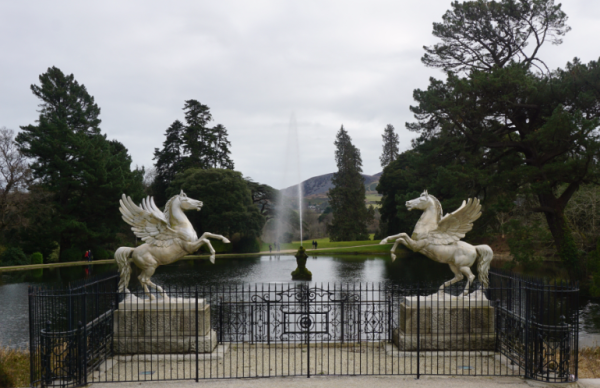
(91, 333)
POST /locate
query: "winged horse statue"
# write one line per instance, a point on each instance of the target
(168, 236)
(439, 237)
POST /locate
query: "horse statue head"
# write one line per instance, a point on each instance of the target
(425, 202)
(187, 203)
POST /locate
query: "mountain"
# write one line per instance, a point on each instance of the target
(318, 186)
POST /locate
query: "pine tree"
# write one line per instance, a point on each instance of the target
(197, 136)
(83, 171)
(220, 146)
(205, 147)
(347, 197)
(193, 145)
(169, 160)
(390, 146)
(530, 131)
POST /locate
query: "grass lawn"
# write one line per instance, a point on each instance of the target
(373, 248)
(322, 243)
(53, 265)
(373, 197)
(14, 367)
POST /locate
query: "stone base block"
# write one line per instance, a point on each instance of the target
(164, 345)
(161, 326)
(464, 316)
(444, 342)
(173, 317)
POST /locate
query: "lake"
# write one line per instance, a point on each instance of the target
(14, 320)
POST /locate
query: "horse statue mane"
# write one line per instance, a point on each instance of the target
(438, 206)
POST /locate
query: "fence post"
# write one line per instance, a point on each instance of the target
(343, 319)
(221, 319)
(84, 356)
(32, 350)
(81, 361)
(46, 357)
(197, 368)
(527, 330)
(308, 331)
(418, 331)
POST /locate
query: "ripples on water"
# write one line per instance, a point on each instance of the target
(14, 320)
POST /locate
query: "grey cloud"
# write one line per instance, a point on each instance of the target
(254, 63)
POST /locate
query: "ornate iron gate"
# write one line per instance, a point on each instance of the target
(298, 314)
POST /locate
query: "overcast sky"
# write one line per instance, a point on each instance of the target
(254, 63)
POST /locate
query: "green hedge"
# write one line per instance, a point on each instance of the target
(13, 256)
(71, 254)
(102, 254)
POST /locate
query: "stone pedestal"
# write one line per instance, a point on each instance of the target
(162, 326)
(446, 323)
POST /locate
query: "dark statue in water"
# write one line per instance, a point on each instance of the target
(301, 273)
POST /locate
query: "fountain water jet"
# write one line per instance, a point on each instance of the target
(291, 176)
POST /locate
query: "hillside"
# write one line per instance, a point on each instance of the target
(318, 186)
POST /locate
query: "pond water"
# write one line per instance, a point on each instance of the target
(14, 321)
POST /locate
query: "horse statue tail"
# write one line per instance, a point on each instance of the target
(122, 256)
(484, 259)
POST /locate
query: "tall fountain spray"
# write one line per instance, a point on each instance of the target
(291, 176)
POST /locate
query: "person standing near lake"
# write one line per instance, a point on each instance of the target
(270, 250)
(89, 257)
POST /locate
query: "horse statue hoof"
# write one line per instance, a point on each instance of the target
(393, 257)
(384, 241)
(226, 241)
(212, 259)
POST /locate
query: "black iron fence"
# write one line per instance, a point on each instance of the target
(90, 333)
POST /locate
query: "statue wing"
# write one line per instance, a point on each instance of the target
(147, 222)
(454, 226)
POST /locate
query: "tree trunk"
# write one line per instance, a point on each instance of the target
(554, 212)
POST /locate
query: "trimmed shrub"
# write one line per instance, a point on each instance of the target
(14, 256)
(102, 254)
(71, 254)
(36, 258)
(247, 244)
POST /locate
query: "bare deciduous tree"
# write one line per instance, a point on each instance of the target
(14, 177)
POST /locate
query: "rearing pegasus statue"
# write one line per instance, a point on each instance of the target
(167, 237)
(438, 238)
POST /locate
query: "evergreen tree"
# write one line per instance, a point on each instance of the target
(347, 197)
(193, 145)
(390, 146)
(531, 130)
(72, 160)
(169, 161)
(205, 147)
(220, 149)
(198, 137)
(483, 35)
